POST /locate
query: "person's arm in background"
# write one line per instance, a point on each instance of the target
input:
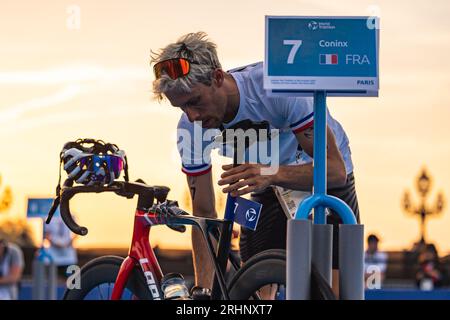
(14, 275)
(203, 205)
(16, 268)
(419, 276)
(383, 264)
(54, 235)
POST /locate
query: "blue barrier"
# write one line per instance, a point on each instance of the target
(26, 291)
(402, 294)
(383, 294)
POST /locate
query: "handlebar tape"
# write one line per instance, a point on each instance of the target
(55, 205)
(66, 216)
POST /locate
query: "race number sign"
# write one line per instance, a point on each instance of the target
(247, 213)
(338, 55)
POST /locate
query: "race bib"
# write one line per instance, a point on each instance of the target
(290, 199)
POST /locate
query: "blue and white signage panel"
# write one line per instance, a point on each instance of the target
(39, 207)
(335, 54)
(247, 213)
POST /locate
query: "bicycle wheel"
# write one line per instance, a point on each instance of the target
(267, 270)
(97, 281)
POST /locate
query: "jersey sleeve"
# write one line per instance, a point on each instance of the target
(299, 112)
(194, 148)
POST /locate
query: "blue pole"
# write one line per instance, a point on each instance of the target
(320, 153)
(299, 233)
(320, 200)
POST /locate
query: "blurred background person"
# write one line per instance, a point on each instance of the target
(375, 261)
(431, 274)
(11, 268)
(58, 243)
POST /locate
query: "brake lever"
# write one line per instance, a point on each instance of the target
(173, 205)
(170, 208)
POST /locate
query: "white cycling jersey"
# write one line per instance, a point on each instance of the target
(289, 115)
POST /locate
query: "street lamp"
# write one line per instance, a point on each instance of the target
(422, 210)
(423, 183)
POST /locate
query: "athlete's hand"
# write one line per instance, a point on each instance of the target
(244, 179)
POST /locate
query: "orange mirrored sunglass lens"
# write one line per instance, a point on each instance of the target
(184, 64)
(174, 68)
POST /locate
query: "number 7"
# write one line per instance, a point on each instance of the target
(295, 46)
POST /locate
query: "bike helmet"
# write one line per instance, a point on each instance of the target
(93, 162)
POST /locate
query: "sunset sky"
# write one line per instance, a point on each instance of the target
(59, 82)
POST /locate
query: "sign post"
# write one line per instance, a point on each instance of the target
(39, 208)
(320, 57)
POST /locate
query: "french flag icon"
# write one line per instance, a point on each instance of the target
(328, 59)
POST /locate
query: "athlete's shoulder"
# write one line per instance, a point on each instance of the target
(250, 78)
(247, 68)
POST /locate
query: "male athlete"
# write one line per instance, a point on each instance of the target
(188, 73)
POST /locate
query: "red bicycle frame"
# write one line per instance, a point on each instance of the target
(140, 253)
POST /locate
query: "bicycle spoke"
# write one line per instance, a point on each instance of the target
(100, 292)
(256, 296)
(268, 292)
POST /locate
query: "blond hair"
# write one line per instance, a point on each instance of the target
(195, 47)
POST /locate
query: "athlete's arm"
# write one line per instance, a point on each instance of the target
(300, 177)
(202, 195)
(203, 205)
(248, 178)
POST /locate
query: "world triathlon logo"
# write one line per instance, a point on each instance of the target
(313, 25)
(251, 215)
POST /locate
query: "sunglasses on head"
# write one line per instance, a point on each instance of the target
(175, 68)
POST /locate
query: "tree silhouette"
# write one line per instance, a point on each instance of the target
(13, 229)
(18, 231)
(6, 198)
